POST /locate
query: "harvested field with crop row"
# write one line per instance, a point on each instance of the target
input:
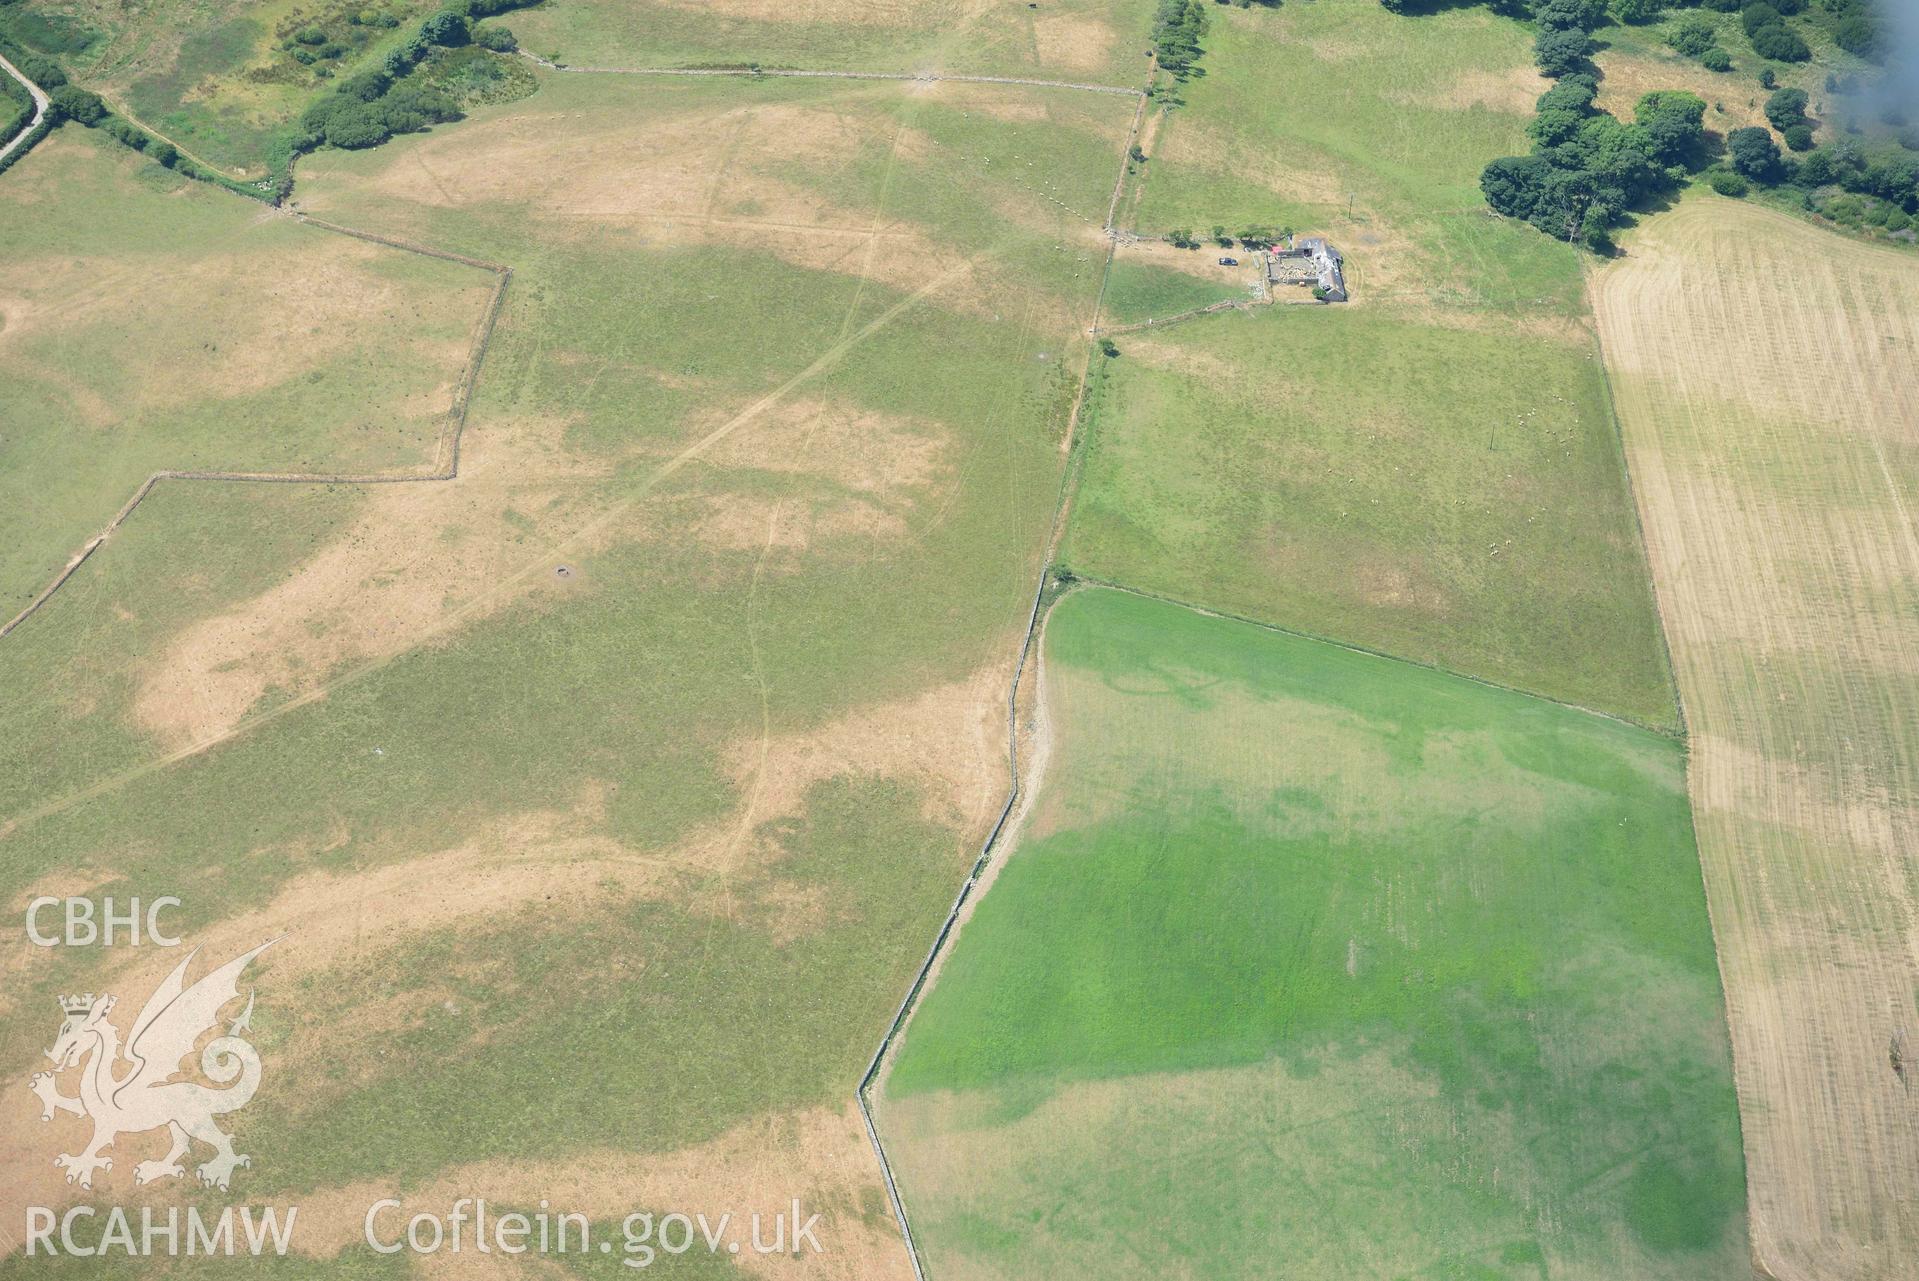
(1767, 377)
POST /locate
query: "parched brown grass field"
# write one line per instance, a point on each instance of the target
(1767, 379)
(608, 795)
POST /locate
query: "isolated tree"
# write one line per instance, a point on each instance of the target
(1759, 15)
(1798, 137)
(447, 28)
(1787, 108)
(1716, 59)
(1753, 153)
(1780, 43)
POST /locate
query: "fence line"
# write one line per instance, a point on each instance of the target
(446, 447)
(787, 73)
(1013, 791)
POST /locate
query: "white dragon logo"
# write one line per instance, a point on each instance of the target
(145, 1096)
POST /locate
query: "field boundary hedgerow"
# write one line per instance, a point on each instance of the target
(1162, 322)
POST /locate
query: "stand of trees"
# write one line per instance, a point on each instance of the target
(1854, 25)
(1888, 175)
(366, 109)
(369, 108)
(1587, 168)
(16, 108)
(1177, 28)
(1771, 38)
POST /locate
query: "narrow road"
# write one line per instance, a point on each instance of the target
(40, 104)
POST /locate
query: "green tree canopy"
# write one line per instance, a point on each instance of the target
(1787, 108)
(1753, 153)
(1675, 123)
(1559, 53)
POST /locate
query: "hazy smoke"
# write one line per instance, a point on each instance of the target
(1900, 22)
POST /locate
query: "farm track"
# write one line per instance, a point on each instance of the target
(447, 449)
(120, 108)
(983, 869)
(40, 105)
(1787, 565)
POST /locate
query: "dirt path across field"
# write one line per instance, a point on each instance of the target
(446, 466)
(446, 469)
(986, 867)
(40, 105)
(1767, 380)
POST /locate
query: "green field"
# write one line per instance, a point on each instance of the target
(1356, 474)
(1431, 470)
(1140, 291)
(1343, 118)
(668, 832)
(1312, 963)
(150, 323)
